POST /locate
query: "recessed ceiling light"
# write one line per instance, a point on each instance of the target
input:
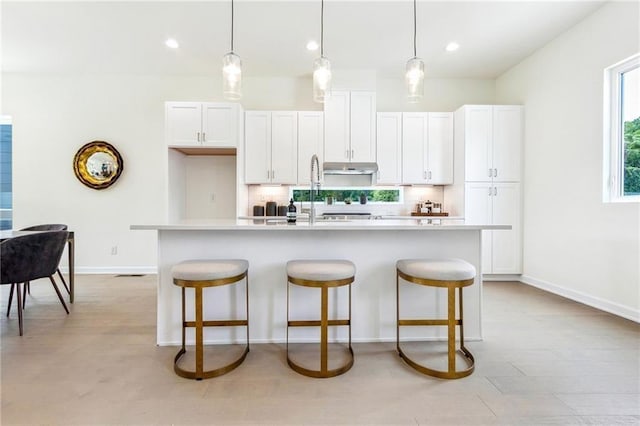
(172, 43)
(452, 47)
(312, 45)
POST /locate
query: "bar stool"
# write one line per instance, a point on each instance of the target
(200, 274)
(322, 274)
(451, 274)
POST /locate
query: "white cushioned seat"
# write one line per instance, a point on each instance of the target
(321, 270)
(206, 270)
(437, 269)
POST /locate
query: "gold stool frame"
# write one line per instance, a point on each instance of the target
(324, 323)
(451, 322)
(199, 325)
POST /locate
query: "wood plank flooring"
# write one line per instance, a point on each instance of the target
(544, 360)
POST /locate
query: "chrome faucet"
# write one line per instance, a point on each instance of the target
(314, 182)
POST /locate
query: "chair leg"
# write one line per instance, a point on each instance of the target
(28, 285)
(25, 286)
(13, 286)
(64, 283)
(64, 305)
(18, 295)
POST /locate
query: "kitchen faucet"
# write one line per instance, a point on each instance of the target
(314, 162)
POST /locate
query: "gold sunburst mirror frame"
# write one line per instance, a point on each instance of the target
(98, 164)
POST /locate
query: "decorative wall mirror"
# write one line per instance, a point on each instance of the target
(98, 165)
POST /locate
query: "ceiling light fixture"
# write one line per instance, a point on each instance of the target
(172, 43)
(321, 67)
(452, 47)
(414, 76)
(312, 45)
(231, 71)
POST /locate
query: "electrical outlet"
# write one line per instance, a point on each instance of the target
(114, 250)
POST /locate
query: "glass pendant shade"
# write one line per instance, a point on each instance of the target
(414, 79)
(231, 76)
(321, 79)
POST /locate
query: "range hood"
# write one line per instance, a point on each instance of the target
(335, 168)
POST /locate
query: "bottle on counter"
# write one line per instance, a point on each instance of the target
(291, 212)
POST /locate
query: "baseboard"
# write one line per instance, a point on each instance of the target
(283, 341)
(113, 270)
(501, 277)
(594, 302)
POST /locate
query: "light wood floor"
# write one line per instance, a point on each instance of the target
(544, 360)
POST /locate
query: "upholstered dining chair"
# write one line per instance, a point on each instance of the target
(47, 227)
(30, 257)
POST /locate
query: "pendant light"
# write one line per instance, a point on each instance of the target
(321, 67)
(414, 77)
(231, 71)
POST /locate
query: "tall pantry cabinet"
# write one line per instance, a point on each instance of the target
(492, 139)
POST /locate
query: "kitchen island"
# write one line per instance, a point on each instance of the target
(374, 246)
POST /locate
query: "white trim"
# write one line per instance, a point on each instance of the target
(613, 140)
(283, 341)
(578, 296)
(112, 270)
(501, 277)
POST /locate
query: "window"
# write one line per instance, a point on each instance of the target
(348, 195)
(6, 191)
(622, 131)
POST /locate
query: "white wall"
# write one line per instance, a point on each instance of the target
(573, 243)
(55, 114)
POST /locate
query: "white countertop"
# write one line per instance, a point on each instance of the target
(419, 224)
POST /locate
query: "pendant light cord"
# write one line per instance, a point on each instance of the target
(414, 29)
(231, 26)
(322, 29)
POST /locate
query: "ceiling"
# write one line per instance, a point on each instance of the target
(270, 36)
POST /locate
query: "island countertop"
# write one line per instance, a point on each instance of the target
(373, 246)
(321, 225)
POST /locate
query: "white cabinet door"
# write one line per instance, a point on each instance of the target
(389, 147)
(310, 141)
(478, 211)
(363, 127)
(336, 127)
(440, 148)
(506, 245)
(257, 147)
(284, 147)
(478, 143)
(220, 125)
(414, 136)
(507, 142)
(183, 123)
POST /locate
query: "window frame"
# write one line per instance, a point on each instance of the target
(613, 167)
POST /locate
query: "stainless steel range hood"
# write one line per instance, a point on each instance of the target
(332, 168)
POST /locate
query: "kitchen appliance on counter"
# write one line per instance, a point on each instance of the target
(347, 215)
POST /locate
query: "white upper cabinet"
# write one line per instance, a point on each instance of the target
(389, 147)
(493, 142)
(271, 147)
(350, 127)
(310, 142)
(427, 148)
(198, 124)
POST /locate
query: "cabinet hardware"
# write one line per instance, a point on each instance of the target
(268, 174)
(353, 153)
(429, 174)
(346, 154)
(495, 190)
(273, 174)
(489, 191)
(198, 136)
(424, 175)
(204, 138)
(490, 172)
(495, 172)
